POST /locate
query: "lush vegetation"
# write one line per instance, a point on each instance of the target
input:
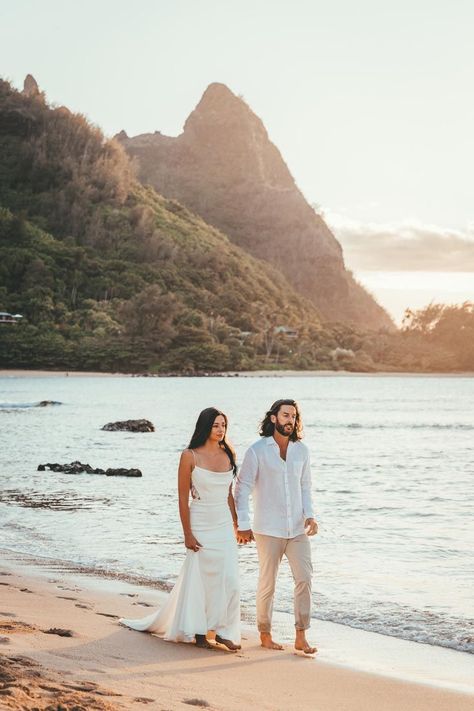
(109, 275)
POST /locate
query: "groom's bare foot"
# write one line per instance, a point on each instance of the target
(302, 644)
(267, 641)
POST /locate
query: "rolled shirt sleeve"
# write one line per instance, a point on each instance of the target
(244, 487)
(306, 496)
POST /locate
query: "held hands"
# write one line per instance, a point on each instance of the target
(244, 536)
(191, 542)
(311, 527)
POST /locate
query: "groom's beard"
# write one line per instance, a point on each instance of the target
(285, 430)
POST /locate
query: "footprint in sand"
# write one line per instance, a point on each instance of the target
(36, 685)
(107, 614)
(84, 607)
(65, 597)
(60, 632)
(143, 604)
(197, 702)
(15, 626)
(91, 688)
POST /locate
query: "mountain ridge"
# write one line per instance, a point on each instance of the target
(224, 167)
(111, 276)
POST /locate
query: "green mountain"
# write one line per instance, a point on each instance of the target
(109, 274)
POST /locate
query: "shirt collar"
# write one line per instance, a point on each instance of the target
(271, 440)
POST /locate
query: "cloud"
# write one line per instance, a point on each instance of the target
(408, 245)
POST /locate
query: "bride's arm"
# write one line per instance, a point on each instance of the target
(184, 484)
(231, 502)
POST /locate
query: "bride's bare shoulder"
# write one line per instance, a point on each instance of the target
(187, 456)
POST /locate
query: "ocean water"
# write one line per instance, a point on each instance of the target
(392, 461)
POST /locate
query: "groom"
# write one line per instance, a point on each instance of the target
(276, 471)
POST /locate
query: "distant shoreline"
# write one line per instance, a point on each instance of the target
(17, 373)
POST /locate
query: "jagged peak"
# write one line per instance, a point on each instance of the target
(217, 91)
(218, 96)
(219, 105)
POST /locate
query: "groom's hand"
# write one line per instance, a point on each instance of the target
(245, 536)
(311, 526)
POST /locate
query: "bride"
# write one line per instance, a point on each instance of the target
(206, 595)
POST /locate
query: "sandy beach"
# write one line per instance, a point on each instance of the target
(62, 647)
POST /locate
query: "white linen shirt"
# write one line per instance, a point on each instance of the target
(281, 490)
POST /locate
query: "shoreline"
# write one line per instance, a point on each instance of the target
(18, 373)
(353, 671)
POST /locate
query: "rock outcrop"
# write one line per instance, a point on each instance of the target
(30, 86)
(129, 426)
(224, 167)
(79, 468)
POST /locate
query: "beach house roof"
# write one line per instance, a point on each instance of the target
(6, 317)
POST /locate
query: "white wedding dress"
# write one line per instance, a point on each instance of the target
(206, 595)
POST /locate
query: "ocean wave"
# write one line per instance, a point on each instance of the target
(8, 406)
(60, 501)
(421, 626)
(394, 426)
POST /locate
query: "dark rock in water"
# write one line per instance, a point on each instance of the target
(45, 403)
(79, 468)
(123, 472)
(129, 426)
(72, 468)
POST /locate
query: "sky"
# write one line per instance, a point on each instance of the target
(371, 104)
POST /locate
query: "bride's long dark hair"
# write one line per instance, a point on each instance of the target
(203, 429)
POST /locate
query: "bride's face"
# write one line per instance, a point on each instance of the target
(218, 429)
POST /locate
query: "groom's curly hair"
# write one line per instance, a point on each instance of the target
(267, 428)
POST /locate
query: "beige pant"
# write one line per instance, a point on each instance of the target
(270, 552)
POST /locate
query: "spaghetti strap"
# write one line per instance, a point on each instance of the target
(194, 457)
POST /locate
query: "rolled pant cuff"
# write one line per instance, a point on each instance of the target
(264, 628)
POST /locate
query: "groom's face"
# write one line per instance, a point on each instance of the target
(285, 420)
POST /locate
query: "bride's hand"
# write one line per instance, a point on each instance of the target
(244, 537)
(191, 542)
